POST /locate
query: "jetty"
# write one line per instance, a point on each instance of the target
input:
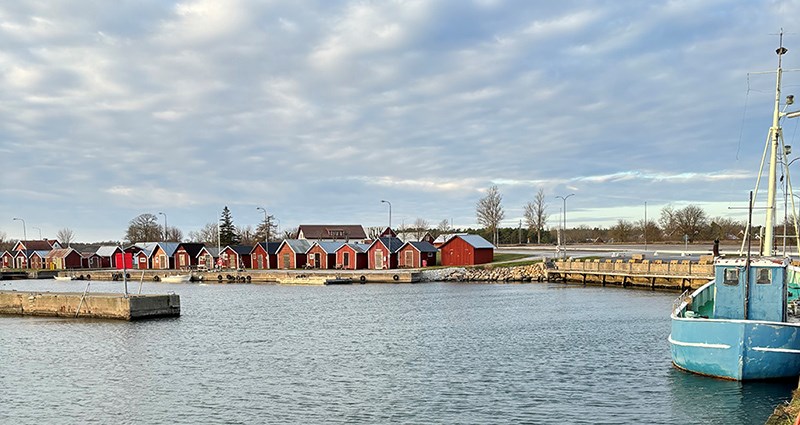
(89, 305)
(293, 277)
(639, 272)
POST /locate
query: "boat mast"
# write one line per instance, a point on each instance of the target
(774, 136)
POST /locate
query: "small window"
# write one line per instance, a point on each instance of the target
(731, 277)
(764, 276)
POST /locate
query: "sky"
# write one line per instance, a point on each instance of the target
(318, 110)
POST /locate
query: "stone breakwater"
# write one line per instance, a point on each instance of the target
(493, 274)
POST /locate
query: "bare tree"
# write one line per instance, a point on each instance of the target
(420, 228)
(247, 236)
(207, 235)
(144, 228)
(689, 221)
(65, 236)
(5, 244)
(267, 230)
(622, 231)
(728, 228)
(174, 234)
(442, 228)
(490, 211)
(291, 233)
(536, 215)
(374, 232)
(651, 232)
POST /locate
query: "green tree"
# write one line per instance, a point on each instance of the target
(227, 231)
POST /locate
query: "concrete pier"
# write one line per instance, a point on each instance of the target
(92, 305)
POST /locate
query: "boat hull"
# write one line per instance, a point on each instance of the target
(736, 349)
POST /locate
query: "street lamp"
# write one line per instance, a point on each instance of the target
(165, 225)
(266, 237)
(24, 229)
(564, 198)
(390, 212)
(25, 238)
(40, 232)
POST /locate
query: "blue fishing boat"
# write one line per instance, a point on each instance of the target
(738, 326)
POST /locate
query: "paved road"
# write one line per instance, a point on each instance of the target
(658, 251)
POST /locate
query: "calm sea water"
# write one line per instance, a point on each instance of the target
(427, 353)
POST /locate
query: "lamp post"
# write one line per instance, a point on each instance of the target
(25, 238)
(390, 212)
(40, 232)
(564, 198)
(645, 226)
(165, 225)
(266, 236)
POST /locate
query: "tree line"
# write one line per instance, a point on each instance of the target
(690, 223)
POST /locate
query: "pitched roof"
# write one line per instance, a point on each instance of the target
(393, 244)
(298, 246)
(191, 248)
(271, 248)
(212, 251)
(422, 246)
(476, 241)
(329, 247)
(331, 231)
(358, 248)
(168, 247)
(36, 245)
(59, 253)
(240, 249)
(107, 250)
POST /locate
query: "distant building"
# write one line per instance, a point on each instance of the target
(382, 253)
(331, 232)
(322, 254)
(352, 256)
(293, 253)
(265, 255)
(63, 258)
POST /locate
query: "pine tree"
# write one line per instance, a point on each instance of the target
(227, 231)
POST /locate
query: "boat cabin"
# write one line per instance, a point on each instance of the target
(755, 293)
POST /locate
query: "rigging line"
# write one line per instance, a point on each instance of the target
(744, 115)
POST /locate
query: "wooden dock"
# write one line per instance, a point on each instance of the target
(675, 274)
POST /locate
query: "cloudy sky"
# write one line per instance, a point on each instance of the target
(318, 110)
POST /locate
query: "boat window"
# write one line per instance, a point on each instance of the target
(731, 277)
(764, 276)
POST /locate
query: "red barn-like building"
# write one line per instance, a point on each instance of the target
(382, 254)
(352, 256)
(6, 260)
(236, 256)
(465, 250)
(63, 258)
(322, 255)
(292, 253)
(265, 255)
(185, 255)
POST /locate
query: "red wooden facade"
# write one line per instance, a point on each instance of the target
(60, 259)
(261, 259)
(458, 251)
(322, 255)
(186, 255)
(290, 257)
(351, 257)
(416, 255)
(382, 254)
(6, 260)
(236, 256)
(160, 259)
(208, 257)
(140, 261)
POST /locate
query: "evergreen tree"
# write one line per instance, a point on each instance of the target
(227, 231)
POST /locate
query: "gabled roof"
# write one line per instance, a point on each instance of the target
(358, 248)
(191, 248)
(212, 251)
(271, 248)
(328, 247)
(35, 245)
(331, 231)
(444, 237)
(240, 249)
(392, 244)
(107, 250)
(422, 246)
(476, 241)
(59, 253)
(298, 246)
(4, 253)
(42, 253)
(168, 247)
